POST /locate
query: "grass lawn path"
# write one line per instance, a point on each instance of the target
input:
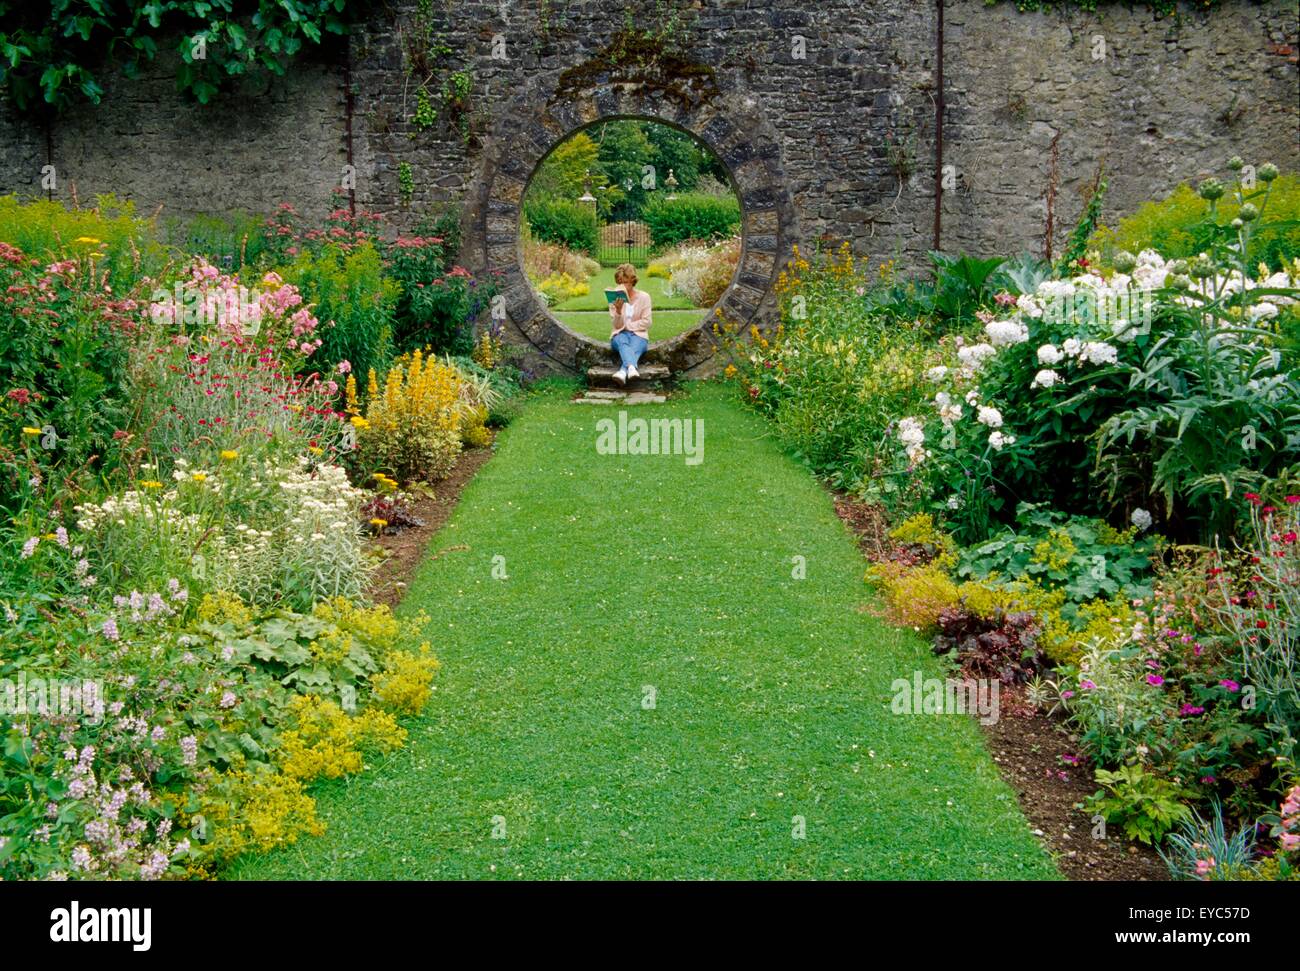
(771, 694)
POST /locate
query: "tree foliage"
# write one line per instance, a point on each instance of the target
(59, 54)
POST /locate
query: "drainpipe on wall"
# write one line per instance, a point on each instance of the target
(938, 125)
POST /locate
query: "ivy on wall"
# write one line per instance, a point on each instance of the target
(58, 53)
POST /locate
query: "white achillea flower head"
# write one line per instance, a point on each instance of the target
(1141, 519)
(1049, 354)
(990, 416)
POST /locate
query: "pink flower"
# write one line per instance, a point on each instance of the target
(345, 367)
(1231, 685)
(1155, 679)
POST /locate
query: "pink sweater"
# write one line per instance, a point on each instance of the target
(637, 315)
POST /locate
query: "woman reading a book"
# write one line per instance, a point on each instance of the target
(630, 316)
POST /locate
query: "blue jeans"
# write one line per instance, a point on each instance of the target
(629, 347)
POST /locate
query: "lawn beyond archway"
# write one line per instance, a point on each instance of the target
(627, 575)
(589, 315)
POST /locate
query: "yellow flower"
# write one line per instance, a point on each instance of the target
(229, 454)
(314, 450)
(151, 484)
(379, 523)
(359, 422)
(198, 476)
(730, 371)
(89, 240)
(28, 430)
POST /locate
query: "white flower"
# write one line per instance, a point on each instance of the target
(1004, 333)
(937, 374)
(911, 432)
(975, 355)
(972, 396)
(997, 440)
(1072, 347)
(1029, 306)
(1141, 519)
(1053, 289)
(990, 416)
(942, 400)
(1099, 352)
(1262, 309)
(1045, 379)
(1049, 354)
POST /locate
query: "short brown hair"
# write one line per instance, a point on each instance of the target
(623, 271)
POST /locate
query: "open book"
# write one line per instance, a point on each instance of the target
(615, 294)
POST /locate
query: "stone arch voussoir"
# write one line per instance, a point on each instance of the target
(553, 107)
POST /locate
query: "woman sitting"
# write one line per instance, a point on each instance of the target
(630, 319)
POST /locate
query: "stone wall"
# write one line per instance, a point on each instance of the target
(839, 97)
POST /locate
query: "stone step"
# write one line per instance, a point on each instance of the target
(620, 398)
(602, 376)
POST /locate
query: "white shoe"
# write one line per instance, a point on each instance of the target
(621, 376)
(632, 372)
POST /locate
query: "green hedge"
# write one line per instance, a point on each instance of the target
(673, 221)
(570, 224)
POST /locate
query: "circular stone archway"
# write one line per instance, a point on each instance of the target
(555, 106)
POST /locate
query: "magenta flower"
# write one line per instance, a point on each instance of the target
(1155, 679)
(1230, 684)
(1190, 709)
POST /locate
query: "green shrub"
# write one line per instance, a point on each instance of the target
(49, 231)
(227, 242)
(1177, 226)
(691, 217)
(354, 302)
(562, 221)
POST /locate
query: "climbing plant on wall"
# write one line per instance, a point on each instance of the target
(59, 53)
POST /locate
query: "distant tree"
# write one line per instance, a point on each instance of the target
(624, 152)
(675, 151)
